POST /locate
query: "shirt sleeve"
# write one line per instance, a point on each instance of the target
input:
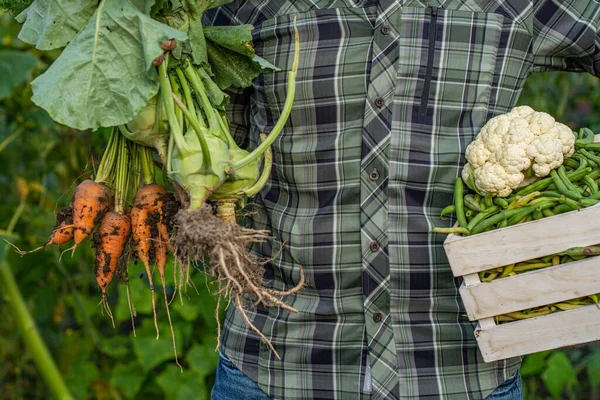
(567, 35)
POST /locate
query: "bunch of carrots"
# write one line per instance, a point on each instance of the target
(98, 208)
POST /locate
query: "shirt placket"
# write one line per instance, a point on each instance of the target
(382, 358)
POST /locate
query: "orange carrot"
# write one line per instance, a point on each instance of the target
(146, 202)
(90, 202)
(110, 242)
(61, 233)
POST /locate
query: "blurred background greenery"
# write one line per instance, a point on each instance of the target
(42, 162)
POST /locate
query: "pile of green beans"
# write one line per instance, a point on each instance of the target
(572, 186)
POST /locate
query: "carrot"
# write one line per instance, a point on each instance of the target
(90, 202)
(110, 242)
(151, 238)
(146, 201)
(61, 233)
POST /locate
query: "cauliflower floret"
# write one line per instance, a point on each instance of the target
(540, 122)
(519, 133)
(565, 136)
(513, 158)
(522, 111)
(547, 153)
(493, 133)
(494, 179)
(477, 153)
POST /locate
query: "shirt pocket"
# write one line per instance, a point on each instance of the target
(458, 62)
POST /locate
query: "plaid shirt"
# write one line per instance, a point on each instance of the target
(389, 94)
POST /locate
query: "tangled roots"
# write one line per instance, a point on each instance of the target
(199, 235)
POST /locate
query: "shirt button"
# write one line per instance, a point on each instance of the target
(374, 175)
(377, 317)
(380, 102)
(385, 30)
(374, 246)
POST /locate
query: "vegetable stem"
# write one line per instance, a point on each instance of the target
(206, 158)
(176, 132)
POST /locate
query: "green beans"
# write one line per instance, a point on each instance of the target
(447, 210)
(586, 137)
(588, 202)
(472, 203)
(499, 201)
(591, 184)
(562, 187)
(571, 163)
(493, 220)
(518, 217)
(459, 209)
(561, 208)
(482, 215)
(590, 156)
(456, 229)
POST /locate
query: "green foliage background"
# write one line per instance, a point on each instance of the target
(42, 162)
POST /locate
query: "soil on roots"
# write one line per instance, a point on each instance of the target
(200, 235)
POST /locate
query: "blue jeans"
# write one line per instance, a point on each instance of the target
(231, 384)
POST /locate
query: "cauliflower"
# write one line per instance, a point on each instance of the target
(513, 146)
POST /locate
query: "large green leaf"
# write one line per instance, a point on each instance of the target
(105, 75)
(231, 68)
(232, 57)
(559, 375)
(15, 67)
(51, 24)
(128, 379)
(182, 386)
(237, 38)
(150, 351)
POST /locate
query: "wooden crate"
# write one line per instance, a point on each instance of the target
(484, 300)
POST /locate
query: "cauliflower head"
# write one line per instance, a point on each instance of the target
(513, 146)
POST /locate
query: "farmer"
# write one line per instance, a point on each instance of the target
(389, 94)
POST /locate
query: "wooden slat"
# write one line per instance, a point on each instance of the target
(472, 280)
(532, 289)
(522, 242)
(565, 328)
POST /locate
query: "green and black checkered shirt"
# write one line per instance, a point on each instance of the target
(389, 95)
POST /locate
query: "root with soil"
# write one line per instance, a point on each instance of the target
(199, 234)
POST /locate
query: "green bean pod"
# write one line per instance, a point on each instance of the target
(459, 208)
(589, 156)
(472, 204)
(591, 184)
(571, 163)
(548, 212)
(588, 202)
(524, 212)
(499, 201)
(493, 220)
(447, 210)
(482, 215)
(562, 187)
(561, 208)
